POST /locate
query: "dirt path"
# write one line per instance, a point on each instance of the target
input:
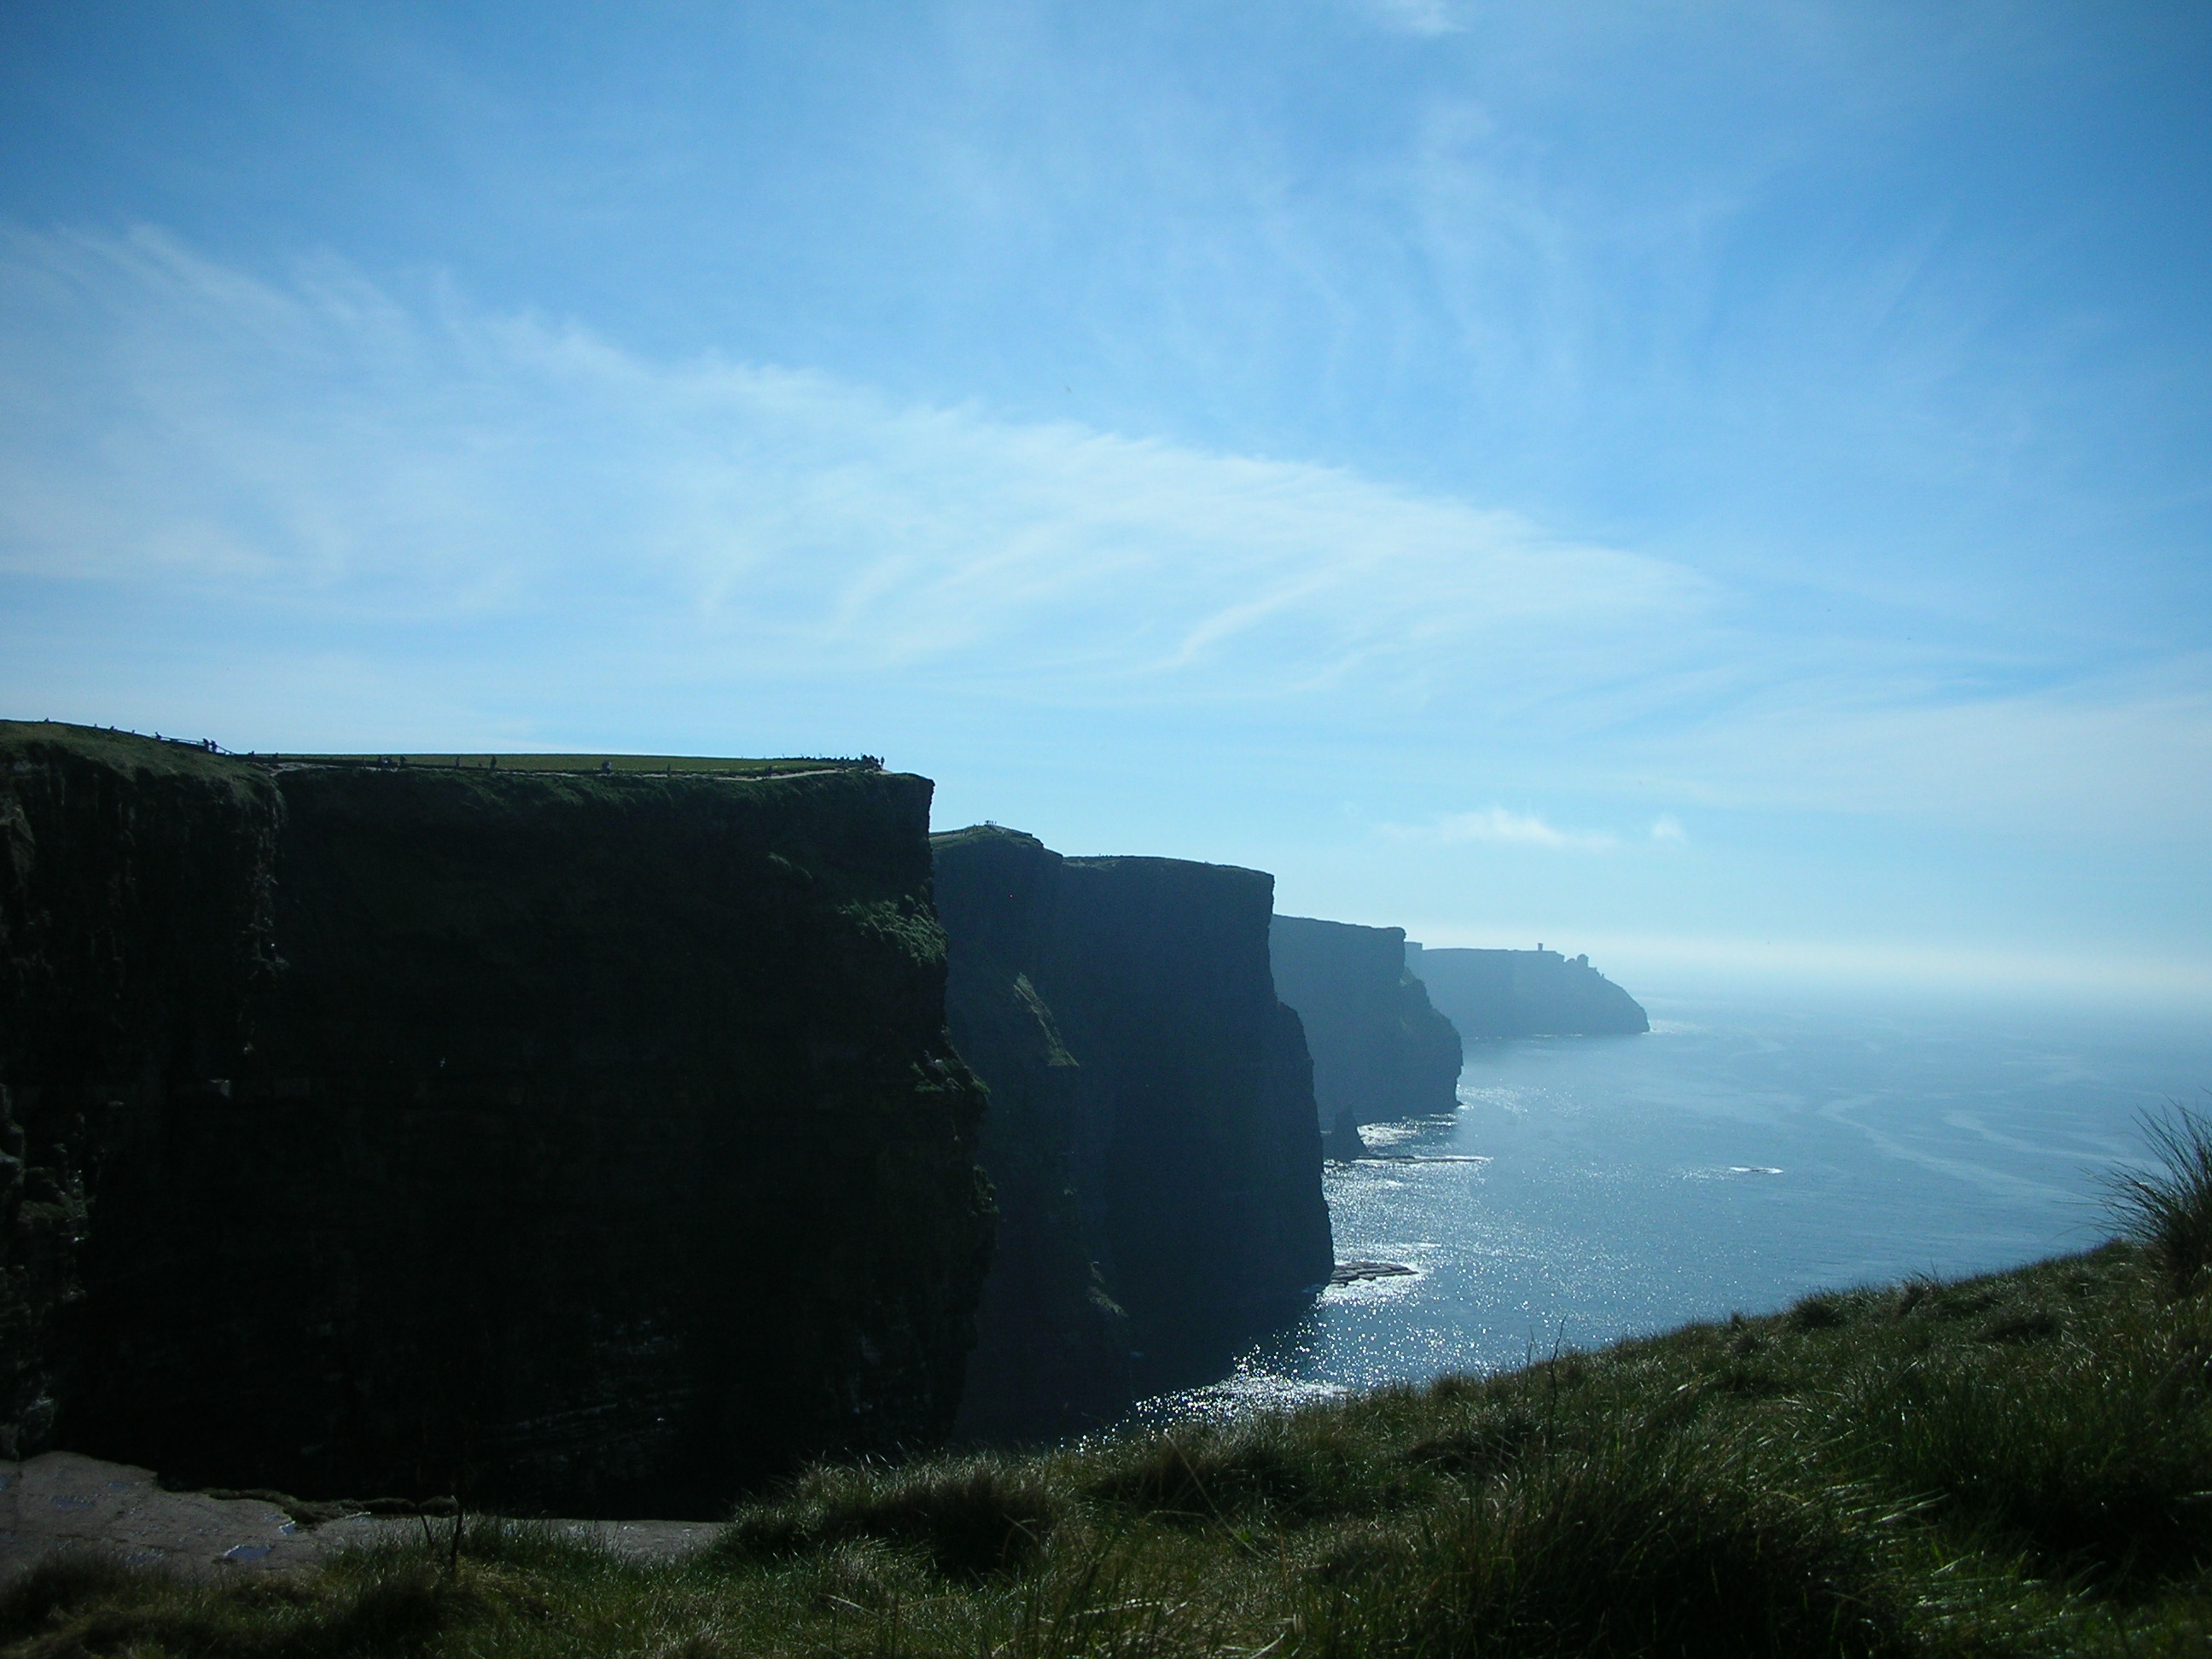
(62, 1501)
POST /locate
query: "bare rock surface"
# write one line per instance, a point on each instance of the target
(61, 1502)
(1351, 1272)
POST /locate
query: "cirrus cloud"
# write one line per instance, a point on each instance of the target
(317, 441)
(343, 470)
(1498, 826)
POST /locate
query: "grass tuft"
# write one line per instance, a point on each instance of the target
(2078, 1464)
(970, 1517)
(2169, 1212)
(385, 1603)
(1641, 1551)
(1488, 1445)
(48, 1591)
(1204, 1473)
(1821, 1311)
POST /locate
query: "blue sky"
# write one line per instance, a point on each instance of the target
(1723, 487)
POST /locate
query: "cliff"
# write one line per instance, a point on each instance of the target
(1379, 1050)
(1052, 1346)
(1510, 993)
(1152, 1130)
(587, 1137)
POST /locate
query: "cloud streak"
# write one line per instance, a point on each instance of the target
(1496, 826)
(361, 464)
(315, 440)
(1425, 18)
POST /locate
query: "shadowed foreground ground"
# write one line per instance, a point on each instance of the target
(61, 1502)
(2018, 1464)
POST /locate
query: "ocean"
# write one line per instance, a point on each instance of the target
(1742, 1154)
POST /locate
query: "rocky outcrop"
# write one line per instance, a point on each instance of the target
(1380, 1051)
(1152, 1132)
(588, 1140)
(1510, 993)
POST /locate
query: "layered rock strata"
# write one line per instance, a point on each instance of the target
(1153, 1134)
(1380, 1051)
(588, 1140)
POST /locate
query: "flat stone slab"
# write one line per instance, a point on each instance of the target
(1351, 1273)
(63, 1501)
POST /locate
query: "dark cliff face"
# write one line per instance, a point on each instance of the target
(1052, 1354)
(1192, 1149)
(1380, 1051)
(1204, 1147)
(1509, 993)
(135, 935)
(590, 1138)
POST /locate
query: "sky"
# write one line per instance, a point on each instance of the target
(1727, 488)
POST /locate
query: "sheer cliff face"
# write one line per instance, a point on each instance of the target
(135, 934)
(1192, 1150)
(1508, 993)
(1203, 1161)
(591, 1139)
(1380, 1051)
(1052, 1354)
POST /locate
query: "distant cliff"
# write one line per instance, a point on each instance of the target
(1152, 1132)
(1509, 993)
(587, 1138)
(1379, 1050)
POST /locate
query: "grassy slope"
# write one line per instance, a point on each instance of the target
(2009, 1464)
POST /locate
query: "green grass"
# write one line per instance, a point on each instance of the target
(2018, 1464)
(2169, 1210)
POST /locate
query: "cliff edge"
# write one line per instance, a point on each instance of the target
(1380, 1050)
(587, 1138)
(1152, 1130)
(1512, 993)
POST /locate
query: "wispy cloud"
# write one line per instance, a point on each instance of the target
(316, 440)
(1500, 827)
(1421, 17)
(348, 459)
(2123, 754)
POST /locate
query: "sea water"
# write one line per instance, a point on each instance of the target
(1742, 1154)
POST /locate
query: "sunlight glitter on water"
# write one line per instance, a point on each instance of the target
(1734, 1158)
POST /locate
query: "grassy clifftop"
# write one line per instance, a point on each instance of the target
(722, 766)
(2016, 1464)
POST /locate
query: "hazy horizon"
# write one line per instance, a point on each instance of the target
(1722, 487)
